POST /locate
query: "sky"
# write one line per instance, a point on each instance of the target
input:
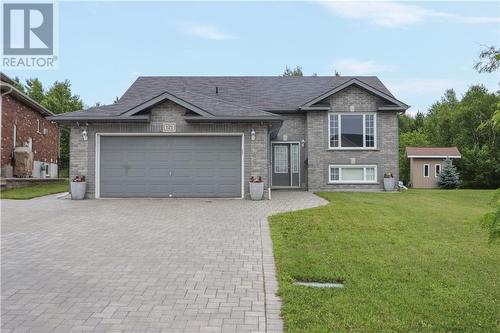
(417, 49)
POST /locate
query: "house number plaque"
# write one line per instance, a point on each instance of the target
(168, 128)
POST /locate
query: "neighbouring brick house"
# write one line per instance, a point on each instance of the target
(205, 136)
(24, 123)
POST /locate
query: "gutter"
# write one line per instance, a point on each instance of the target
(8, 92)
(138, 119)
(26, 99)
(231, 119)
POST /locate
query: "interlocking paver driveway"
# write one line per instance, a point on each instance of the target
(141, 265)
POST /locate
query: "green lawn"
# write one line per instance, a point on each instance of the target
(34, 191)
(411, 262)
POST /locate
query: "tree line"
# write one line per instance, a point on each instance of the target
(472, 123)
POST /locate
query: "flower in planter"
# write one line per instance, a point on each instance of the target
(388, 175)
(256, 179)
(78, 179)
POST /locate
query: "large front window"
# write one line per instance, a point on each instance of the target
(353, 174)
(352, 131)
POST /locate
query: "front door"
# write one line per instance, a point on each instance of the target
(285, 164)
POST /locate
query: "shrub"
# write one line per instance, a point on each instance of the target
(448, 176)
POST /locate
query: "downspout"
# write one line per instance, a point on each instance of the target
(7, 92)
(15, 134)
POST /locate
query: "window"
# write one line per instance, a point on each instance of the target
(353, 174)
(280, 159)
(38, 126)
(426, 170)
(437, 170)
(352, 131)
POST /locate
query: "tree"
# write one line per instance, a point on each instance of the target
(18, 85)
(336, 73)
(489, 60)
(34, 89)
(448, 176)
(479, 167)
(439, 121)
(297, 71)
(60, 99)
(407, 123)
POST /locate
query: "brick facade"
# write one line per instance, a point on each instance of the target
(82, 153)
(385, 156)
(311, 126)
(44, 146)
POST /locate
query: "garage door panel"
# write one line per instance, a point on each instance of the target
(159, 172)
(135, 156)
(160, 166)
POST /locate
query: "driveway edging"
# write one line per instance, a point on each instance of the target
(274, 322)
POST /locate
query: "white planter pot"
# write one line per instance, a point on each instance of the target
(389, 184)
(78, 190)
(256, 190)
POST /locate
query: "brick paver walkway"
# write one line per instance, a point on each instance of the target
(141, 265)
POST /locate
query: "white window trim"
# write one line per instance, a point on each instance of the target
(38, 126)
(428, 170)
(436, 174)
(364, 130)
(351, 166)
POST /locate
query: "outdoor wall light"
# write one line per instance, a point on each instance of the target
(85, 135)
(252, 134)
(303, 143)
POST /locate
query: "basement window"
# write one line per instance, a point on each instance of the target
(353, 174)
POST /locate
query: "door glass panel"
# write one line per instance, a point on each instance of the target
(280, 159)
(295, 158)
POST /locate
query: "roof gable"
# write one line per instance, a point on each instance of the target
(162, 98)
(313, 104)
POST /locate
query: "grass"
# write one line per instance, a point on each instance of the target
(29, 192)
(417, 261)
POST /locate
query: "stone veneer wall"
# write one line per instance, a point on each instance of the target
(386, 156)
(82, 160)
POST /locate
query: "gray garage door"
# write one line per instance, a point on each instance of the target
(170, 166)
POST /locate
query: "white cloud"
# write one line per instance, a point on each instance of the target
(205, 31)
(393, 14)
(424, 86)
(360, 67)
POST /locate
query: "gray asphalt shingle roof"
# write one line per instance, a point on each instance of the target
(249, 96)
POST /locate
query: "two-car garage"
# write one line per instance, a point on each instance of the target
(162, 166)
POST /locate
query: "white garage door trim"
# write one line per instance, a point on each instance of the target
(98, 152)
